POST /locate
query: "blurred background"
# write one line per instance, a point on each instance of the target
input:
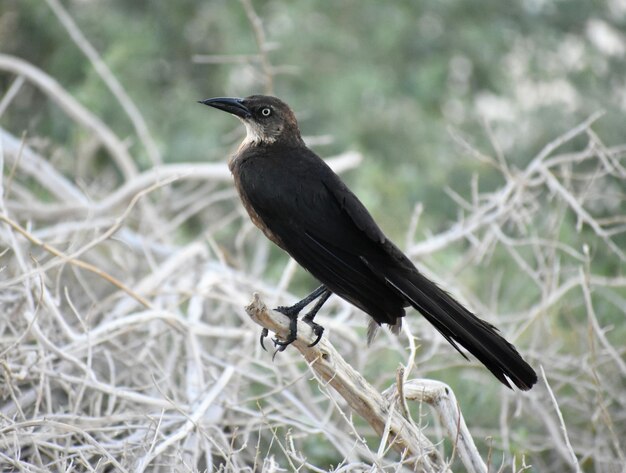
(390, 81)
(446, 104)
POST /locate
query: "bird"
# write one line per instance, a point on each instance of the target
(302, 206)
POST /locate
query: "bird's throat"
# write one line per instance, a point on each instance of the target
(255, 135)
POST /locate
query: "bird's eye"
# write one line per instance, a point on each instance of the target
(266, 112)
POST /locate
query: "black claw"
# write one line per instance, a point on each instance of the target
(264, 333)
(293, 311)
(283, 344)
(319, 331)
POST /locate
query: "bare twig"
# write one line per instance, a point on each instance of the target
(259, 35)
(109, 79)
(75, 110)
(573, 458)
(10, 94)
(442, 399)
(191, 422)
(76, 262)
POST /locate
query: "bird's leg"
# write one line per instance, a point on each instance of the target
(293, 311)
(308, 318)
(298, 306)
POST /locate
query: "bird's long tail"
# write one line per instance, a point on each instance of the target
(460, 327)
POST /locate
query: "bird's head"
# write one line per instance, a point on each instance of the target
(267, 119)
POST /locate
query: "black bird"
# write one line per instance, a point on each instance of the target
(306, 209)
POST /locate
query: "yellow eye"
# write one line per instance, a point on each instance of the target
(266, 112)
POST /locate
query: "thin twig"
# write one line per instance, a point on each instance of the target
(76, 262)
(73, 109)
(259, 35)
(107, 76)
(555, 404)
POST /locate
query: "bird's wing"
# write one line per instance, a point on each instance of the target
(352, 206)
(458, 325)
(363, 220)
(331, 234)
(328, 234)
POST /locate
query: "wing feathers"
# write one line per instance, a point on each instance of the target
(324, 226)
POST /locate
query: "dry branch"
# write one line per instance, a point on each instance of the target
(441, 398)
(116, 88)
(89, 378)
(50, 87)
(77, 205)
(63, 258)
(379, 411)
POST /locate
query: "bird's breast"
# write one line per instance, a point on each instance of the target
(235, 167)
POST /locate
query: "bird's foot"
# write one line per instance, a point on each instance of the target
(289, 311)
(282, 344)
(293, 311)
(317, 329)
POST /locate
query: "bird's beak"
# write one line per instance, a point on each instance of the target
(228, 104)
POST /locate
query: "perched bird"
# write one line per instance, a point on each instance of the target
(301, 205)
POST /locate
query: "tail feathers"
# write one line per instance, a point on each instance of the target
(372, 329)
(460, 327)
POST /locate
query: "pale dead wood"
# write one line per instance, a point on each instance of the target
(441, 398)
(10, 94)
(73, 260)
(36, 166)
(570, 450)
(501, 203)
(259, 34)
(75, 204)
(197, 414)
(330, 367)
